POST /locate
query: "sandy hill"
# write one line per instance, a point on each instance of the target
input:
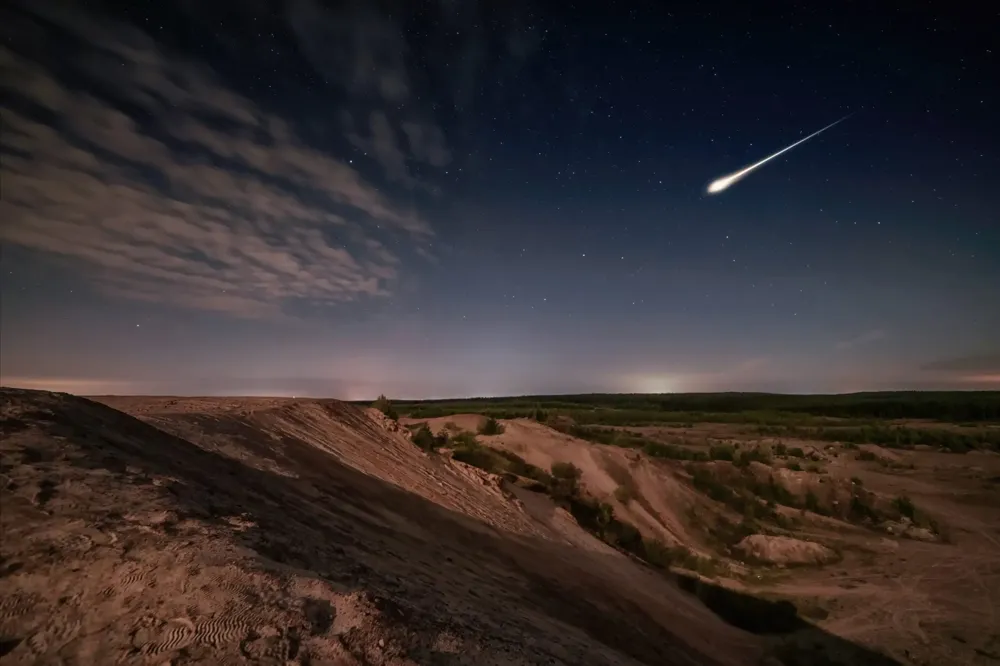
(304, 532)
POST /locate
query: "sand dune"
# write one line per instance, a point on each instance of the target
(262, 531)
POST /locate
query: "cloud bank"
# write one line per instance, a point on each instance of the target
(167, 186)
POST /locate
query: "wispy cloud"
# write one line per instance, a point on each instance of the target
(866, 338)
(363, 52)
(170, 187)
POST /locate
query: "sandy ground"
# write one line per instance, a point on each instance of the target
(658, 499)
(280, 531)
(304, 532)
(921, 603)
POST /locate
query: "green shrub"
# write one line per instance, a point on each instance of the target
(384, 405)
(477, 458)
(657, 554)
(861, 508)
(425, 439)
(795, 467)
(752, 455)
(464, 439)
(812, 501)
(517, 465)
(491, 427)
(671, 451)
(722, 452)
(565, 481)
(796, 452)
(780, 448)
(905, 506)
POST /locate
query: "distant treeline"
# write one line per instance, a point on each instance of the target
(760, 408)
(896, 437)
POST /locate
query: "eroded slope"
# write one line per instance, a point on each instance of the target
(302, 533)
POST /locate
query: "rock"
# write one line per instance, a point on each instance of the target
(785, 550)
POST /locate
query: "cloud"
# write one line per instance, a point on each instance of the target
(866, 338)
(427, 143)
(354, 45)
(364, 53)
(168, 186)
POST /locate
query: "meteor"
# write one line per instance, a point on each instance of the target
(720, 184)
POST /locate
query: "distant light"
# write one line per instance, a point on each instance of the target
(655, 385)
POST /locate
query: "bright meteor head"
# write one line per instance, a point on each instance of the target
(717, 186)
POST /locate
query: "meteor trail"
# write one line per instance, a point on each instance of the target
(720, 184)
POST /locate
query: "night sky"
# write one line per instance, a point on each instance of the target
(451, 198)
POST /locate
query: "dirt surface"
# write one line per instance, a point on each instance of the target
(276, 532)
(919, 595)
(281, 531)
(656, 500)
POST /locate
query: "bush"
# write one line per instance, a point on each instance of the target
(565, 481)
(812, 502)
(491, 427)
(795, 467)
(566, 470)
(464, 439)
(671, 451)
(780, 448)
(425, 439)
(861, 508)
(722, 452)
(905, 506)
(796, 452)
(519, 466)
(751, 455)
(384, 405)
(771, 492)
(657, 554)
